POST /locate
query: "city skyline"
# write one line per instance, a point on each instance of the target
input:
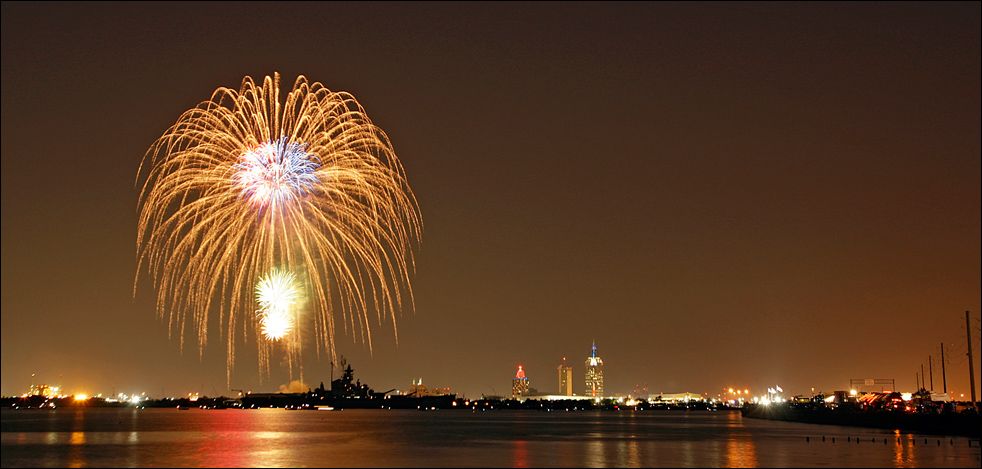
(593, 378)
(714, 209)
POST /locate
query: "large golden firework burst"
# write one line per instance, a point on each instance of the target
(246, 186)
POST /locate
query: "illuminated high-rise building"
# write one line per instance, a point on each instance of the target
(565, 373)
(519, 384)
(594, 374)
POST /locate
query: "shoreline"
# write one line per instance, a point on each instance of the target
(965, 425)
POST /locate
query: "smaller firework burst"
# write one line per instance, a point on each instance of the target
(278, 296)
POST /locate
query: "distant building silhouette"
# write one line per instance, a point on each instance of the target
(519, 384)
(418, 389)
(594, 374)
(565, 373)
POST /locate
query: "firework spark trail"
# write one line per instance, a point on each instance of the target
(246, 182)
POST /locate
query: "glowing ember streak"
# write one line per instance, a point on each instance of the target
(248, 181)
(277, 295)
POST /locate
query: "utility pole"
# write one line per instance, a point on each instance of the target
(971, 363)
(944, 378)
(923, 384)
(930, 371)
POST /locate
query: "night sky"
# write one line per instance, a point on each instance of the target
(719, 195)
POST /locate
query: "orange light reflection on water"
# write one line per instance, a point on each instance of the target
(520, 453)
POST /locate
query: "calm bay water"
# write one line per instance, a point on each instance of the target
(281, 438)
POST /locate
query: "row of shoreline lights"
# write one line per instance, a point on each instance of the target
(734, 396)
(774, 395)
(121, 397)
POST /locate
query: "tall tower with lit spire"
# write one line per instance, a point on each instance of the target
(594, 374)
